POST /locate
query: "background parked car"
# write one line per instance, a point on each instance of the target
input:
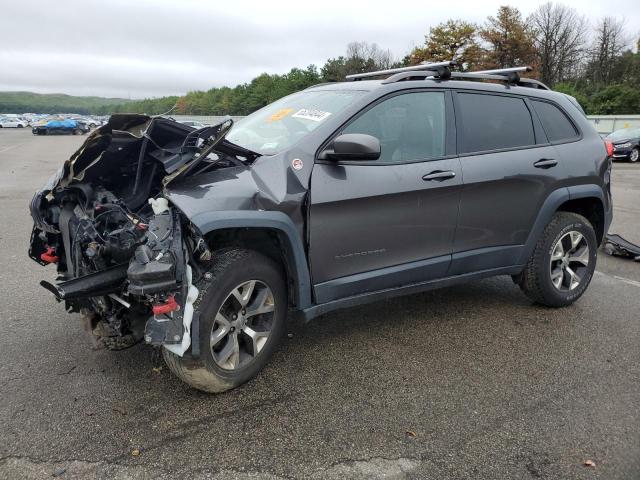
(13, 123)
(626, 144)
(61, 127)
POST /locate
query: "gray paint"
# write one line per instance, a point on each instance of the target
(372, 230)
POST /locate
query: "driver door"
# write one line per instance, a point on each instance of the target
(390, 222)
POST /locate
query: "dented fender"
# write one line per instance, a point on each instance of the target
(207, 222)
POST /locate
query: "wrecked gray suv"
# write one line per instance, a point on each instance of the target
(201, 242)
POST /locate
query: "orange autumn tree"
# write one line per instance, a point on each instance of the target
(509, 41)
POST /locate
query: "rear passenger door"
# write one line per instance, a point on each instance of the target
(509, 168)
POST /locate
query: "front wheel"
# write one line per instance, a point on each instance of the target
(243, 311)
(635, 155)
(563, 261)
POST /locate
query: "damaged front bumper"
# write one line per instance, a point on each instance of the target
(126, 258)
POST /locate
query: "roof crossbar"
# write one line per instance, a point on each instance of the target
(505, 71)
(508, 77)
(512, 74)
(442, 71)
(441, 66)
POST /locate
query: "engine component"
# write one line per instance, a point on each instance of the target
(158, 265)
(94, 284)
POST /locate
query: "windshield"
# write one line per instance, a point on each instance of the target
(625, 134)
(282, 123)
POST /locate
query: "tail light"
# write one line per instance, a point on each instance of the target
(609, 145)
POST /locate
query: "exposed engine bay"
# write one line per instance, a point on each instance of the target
(125, 257)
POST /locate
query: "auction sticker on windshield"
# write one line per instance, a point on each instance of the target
(310, 114)
(280, 114)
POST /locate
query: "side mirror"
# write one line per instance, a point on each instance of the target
(354, 147)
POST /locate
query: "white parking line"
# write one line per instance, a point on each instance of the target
(2, 150)
(629, 281)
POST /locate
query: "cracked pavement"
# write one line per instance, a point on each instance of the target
(491, 385)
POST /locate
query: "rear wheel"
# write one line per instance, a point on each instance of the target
(635, 155)
(77, 131)
(243, 311)
(563, 261)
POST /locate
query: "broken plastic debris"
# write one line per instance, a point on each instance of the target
(411, 433)
(618, 246)
(590, 463)
(135, 452)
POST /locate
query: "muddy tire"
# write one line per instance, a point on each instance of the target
(242, 307)
(563, 261)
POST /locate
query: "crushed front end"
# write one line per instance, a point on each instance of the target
(125, 258)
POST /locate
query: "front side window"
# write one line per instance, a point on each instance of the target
(275, 127)
(555, 123)
(410, 127)
(493, 122)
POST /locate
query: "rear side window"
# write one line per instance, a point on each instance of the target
(492, 122)
(410, 126)
(554, 121)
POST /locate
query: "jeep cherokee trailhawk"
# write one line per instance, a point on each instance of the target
(201, 241)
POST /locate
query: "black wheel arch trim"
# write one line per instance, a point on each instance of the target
(208, 222)
(551, 206)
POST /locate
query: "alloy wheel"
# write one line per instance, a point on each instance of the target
(242, 325)
(569, 261)
(635, 154)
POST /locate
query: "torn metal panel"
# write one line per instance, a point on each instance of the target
(116, 220)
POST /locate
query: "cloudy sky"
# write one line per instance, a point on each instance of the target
(146, 48)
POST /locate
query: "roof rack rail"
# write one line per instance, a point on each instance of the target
(507, 75)
(442, 71)
(509, 79)
(505, 71)
(437, 69)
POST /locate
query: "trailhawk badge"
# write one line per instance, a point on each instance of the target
(297, 164)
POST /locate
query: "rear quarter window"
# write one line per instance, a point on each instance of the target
(494, 122)
(555, 122)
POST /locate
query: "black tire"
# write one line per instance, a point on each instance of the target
(231, 267)
(535, 280)
(634, 156)
(20, 126)
(77, 131)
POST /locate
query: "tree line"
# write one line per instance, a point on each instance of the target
(593, 62)
(29, 102)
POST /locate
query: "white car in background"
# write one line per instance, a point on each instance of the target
(13, 123)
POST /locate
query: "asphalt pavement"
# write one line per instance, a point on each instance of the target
(472, 381)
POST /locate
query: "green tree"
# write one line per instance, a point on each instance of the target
(510, 41)
(361, 57)
(451, 40)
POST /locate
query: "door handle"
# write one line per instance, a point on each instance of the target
(545, 163)
(439, 175)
